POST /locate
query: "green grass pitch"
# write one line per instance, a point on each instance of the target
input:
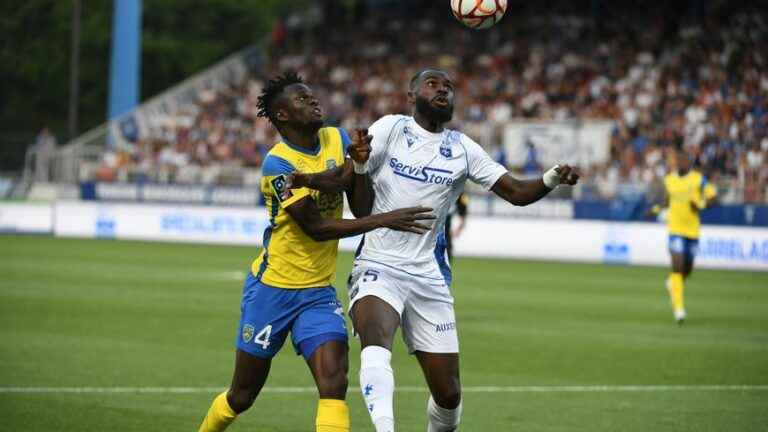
(109, 314)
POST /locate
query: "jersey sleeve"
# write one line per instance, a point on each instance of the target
(275, 171)
(481, 169)
(383, 131)
(345, 141)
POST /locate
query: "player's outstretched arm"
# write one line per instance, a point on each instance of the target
(307, 215)
(524, 192)
(351, 177)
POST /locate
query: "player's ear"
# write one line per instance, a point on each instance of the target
(281, 115)
(411, 97)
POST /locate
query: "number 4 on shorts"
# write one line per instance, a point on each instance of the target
(263, 337)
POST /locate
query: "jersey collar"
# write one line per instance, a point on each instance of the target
(423, 132)
(312, 152)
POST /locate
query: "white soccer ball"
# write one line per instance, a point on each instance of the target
(479, 14)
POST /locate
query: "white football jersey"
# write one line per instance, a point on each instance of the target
(411, 167)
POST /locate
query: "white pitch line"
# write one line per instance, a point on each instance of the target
(405, 389)
(613, 388)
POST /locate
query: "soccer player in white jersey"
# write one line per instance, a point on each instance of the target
(401, 279)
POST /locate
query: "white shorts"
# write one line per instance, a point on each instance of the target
(425, 305)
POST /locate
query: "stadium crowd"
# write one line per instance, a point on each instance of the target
(665, 84)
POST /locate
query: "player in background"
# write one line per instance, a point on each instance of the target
(289, 286)
(402, 280)
(687, 192)
(458, 210)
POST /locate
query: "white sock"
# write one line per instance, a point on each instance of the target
(441, 419)
(377, 382)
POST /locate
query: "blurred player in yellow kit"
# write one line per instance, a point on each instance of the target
(687, 193)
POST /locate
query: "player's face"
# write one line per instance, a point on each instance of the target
(433, 96)
(683, 162)
(299, 106)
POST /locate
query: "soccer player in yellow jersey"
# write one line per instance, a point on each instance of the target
(687, 193)
(288, 289)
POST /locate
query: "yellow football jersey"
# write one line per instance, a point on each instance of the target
(682, 220)
(290, 258)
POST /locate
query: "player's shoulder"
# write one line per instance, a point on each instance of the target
(460, 136)
(392, 118)
(332, 131)
(464, 141)
(698, 178)
(278, 161)
(387, 123)
(692, 177)
(329, 134)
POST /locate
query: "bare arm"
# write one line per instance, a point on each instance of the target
(524, 192)
(360, 195)
(461, 215)
(520, 192)
(307, 215)
(334, 180)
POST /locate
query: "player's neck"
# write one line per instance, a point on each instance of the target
(682, 173)
(426, 123)
(304, 139)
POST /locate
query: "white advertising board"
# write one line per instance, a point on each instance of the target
(223, 225)
(578, 143)
(503, 237)
(26, 218)
(608, 242)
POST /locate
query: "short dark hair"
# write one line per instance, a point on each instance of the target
(416, 77)
(272, 90)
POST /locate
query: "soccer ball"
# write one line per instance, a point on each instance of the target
(479, 14)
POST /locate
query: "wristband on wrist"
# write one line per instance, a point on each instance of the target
(551, 178)
(360, 168)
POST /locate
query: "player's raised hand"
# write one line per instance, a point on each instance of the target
(560, 174)
(405, 219)
(567, 175)
(360, 148)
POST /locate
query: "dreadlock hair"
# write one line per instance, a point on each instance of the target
(270, 92)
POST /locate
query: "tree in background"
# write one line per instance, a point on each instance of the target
(179, 38)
